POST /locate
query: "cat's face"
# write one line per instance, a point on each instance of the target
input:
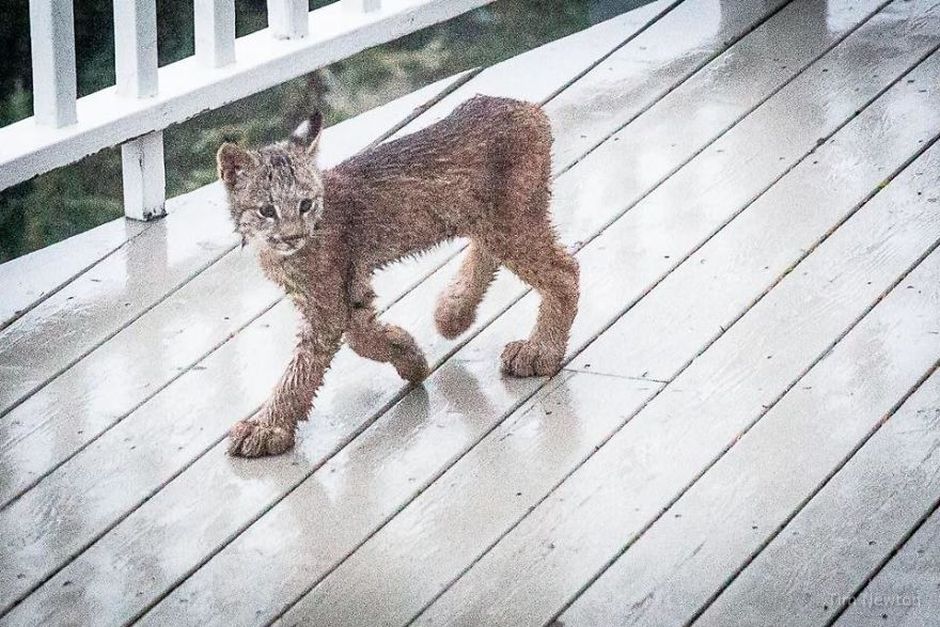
(276, 193)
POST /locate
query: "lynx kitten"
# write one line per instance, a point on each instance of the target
(482, 173)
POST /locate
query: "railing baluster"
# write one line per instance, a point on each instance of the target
(52, 40)
(135, 47)
(288, 18)
(135, 50)
(144, 177)
(364, 6)
(215, 32)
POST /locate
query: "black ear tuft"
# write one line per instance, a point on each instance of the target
(307, 135)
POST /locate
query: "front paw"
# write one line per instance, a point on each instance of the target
(254, 439)
(524, 358)
(408, 359)
(414, 369)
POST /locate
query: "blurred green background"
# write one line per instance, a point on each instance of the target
(75, 198)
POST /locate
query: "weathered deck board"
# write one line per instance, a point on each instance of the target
(904, 592)
(838, 540)
(129, 282)
(199, 594)
(671, 571)
(758, 246)
(698, 33)
(123, 286)
(228, 296)
(30, 279)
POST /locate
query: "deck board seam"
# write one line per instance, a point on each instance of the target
(69, 280)
(821, 486)
(612, 375)
(421, 109)
(576, 249)
(902, 542)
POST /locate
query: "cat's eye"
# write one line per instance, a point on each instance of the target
(267, 211)
(305, 205)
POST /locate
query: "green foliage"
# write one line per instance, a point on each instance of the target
(78, 197)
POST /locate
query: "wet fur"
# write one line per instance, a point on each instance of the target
(483, 173)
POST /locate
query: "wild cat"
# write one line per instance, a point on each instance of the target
(482, 173)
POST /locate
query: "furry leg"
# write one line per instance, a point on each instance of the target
(378, 341)
(271, 432)
(553, 272)
(457, 305)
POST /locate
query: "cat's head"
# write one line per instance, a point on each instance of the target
(276, 193)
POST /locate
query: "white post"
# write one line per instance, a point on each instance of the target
(135, 50)
(135, 47)
(52, 40)
(288, 18)
(363, 6)
(144, 177)
(215, 32)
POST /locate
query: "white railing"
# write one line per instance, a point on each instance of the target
(147, 100)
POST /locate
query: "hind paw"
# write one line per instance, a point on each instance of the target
(408, 359)
(452, 316)
(524, 358)
(255, 439)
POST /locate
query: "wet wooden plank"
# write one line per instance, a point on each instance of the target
(268, 579)
(904, 592)
(814, 566)
(379, 584)
(670, 573)
(699, 33)
(500, 478)
(126, 284)
(28, 280)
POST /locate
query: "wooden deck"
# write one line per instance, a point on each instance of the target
(747, 431)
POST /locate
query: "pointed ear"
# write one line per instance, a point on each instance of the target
(233, 163)
(307, 135)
